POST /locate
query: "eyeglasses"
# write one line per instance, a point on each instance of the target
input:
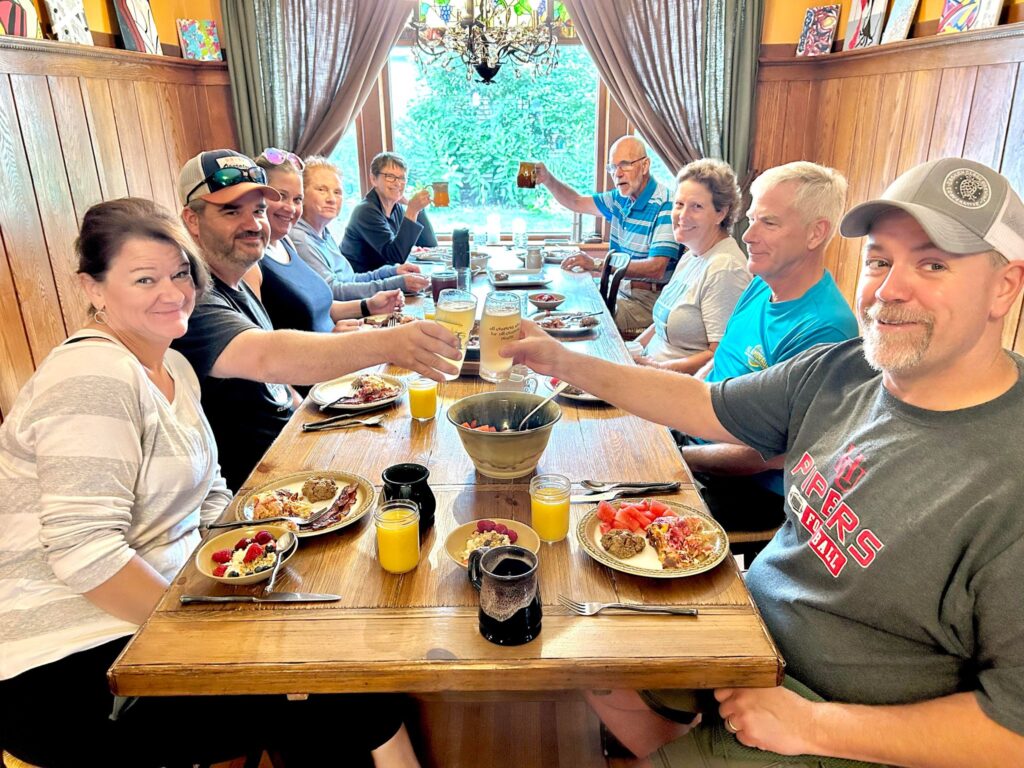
(391, 178)
(276, 156)
(228, 177)
(623, 166)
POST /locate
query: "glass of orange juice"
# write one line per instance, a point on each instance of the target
(549, 506)
(423, 398)
(398, 535)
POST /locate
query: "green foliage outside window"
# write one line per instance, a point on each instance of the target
(474, 136)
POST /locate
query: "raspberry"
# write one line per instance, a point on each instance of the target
(512, 536)
(485, 525)
(221, 556)
(219, 570)
(263, 537)
(501, 528)
(254, 552)
(243, 543)
(481, 525)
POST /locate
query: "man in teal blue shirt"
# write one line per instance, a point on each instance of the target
(791, 304)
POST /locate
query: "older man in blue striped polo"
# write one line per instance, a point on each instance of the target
(639, 209)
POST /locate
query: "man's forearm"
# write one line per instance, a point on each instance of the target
(664, 397)
(298, 357)
(950, 732)
(728, 459)
(651, 268)
(569, 197)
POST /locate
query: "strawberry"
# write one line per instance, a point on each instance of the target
(263, 537)
(221, 556)
(242, 543)
(254, 552)
(219, 570)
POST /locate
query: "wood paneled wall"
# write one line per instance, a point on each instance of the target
(79, 125)
(872, 114)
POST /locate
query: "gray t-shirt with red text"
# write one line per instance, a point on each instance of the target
(898, 575)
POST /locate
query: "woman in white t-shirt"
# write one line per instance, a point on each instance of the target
(691, 314)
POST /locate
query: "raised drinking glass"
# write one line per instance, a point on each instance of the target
(456, 311)
(499, 325)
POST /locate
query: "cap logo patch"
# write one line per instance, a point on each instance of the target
(233, 161)
(967, 188)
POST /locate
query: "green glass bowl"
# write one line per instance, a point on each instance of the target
(504, 455)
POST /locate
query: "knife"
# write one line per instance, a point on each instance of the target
(593, 498)
(273, 597)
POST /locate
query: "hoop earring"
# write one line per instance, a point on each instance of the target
(100, 316)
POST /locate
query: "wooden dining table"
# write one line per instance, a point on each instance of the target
(418, 632)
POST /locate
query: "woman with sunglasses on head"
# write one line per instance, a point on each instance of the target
(108, 466)
(293, 294)
(317, 247)
(385, 226)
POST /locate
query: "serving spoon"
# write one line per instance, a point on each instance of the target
(557, 391)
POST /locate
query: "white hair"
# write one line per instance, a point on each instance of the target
(820, 191)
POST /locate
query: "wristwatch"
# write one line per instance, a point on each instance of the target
(598, 264)
(364, 308)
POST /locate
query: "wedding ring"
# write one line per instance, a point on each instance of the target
(730, 727)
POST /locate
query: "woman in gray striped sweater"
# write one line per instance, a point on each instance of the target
(107, 468)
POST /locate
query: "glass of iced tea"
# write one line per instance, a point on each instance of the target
(527, 178)
(456, 311)
(441, 194)
(498, 326)
(442, 279)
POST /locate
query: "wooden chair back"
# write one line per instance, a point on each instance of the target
(611, 275)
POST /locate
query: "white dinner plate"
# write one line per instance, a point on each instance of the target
(518, 278)
(328, 391)
(588, 533)
(572, 330)
(583, 397)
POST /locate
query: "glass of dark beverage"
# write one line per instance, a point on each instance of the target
(506, 578)
(442, 279)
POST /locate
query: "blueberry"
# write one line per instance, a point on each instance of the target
(261, 568)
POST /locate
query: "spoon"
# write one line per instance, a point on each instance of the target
(557, 391)
(284, 545)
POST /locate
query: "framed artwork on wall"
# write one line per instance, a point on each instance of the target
(198, 38)
(138, 27)
(864, 27)
(19, 17)
(67, 17)
(819, 30)
(900, 18)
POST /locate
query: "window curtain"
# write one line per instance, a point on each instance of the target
(684, 72)
(302, 69)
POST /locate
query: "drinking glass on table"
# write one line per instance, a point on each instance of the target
(441, 279)
(549, 506)
(456, 311)
(398, 535)
(499, 325)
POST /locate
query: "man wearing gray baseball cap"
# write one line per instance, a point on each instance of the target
(893, 589)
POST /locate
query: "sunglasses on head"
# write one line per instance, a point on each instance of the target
(276, 156)
(228, 177)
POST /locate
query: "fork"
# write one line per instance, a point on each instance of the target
(299, 521)
(601, 486)
(589, 609)
(321, 426)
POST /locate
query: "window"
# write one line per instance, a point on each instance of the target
(346, 157)
(659, 171)
(473, 136)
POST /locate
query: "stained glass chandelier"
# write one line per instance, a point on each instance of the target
(484, 34)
